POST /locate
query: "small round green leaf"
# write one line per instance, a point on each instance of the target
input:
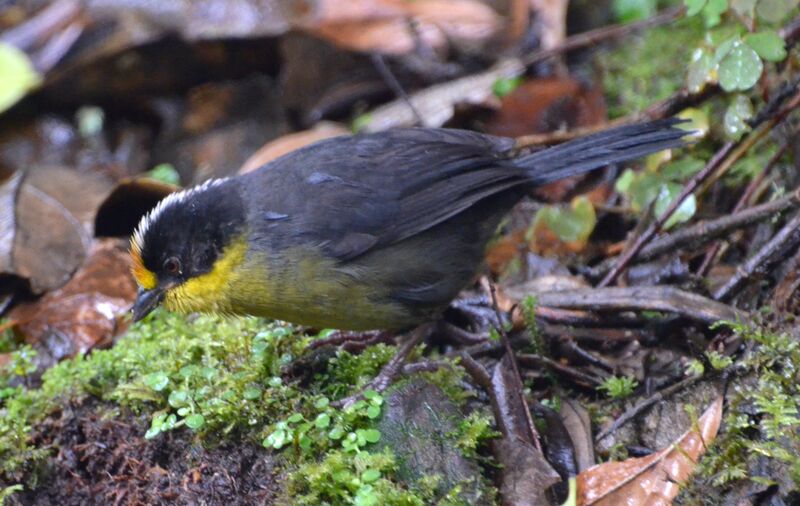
(158, 381)
(195, 421)
(744, 7)
(322, 421)
(372, 435)
(701, 70)
(252, 393)
(370, 475)
(575, 223)
(178, 398)
(165, 173)
(668, 193)
(736, 116)
(774, 11)
(768, 44)
(713, 11)
(740, 68)
(633, 10)
(373, 412)
(505, 85)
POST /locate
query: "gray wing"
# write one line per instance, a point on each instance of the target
(351, 194)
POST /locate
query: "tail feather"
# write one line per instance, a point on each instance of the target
(597, 150)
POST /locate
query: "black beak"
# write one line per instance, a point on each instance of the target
(146, 301)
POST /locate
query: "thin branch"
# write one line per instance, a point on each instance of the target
(658, 224)
(643, 298)
(705, 231)
(389, 78)
(712, 253)
(650, 401)
(787, 238)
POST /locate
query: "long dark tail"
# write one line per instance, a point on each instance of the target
(597, 150)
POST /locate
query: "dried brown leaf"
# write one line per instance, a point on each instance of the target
(651, 480)
(49, 242)
(385, 26)
(86, 310)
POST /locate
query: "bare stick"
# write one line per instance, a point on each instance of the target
(711, 254)
(639, 408)
(643, 298)
(705, 231)
(786, 238)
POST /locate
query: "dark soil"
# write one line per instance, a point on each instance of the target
(106, 460)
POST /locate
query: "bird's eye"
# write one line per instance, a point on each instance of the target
(172, 265)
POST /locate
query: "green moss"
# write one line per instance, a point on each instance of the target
(210, 374)
(760, 439)
(363, 480)
(222, 378)
(648, 67)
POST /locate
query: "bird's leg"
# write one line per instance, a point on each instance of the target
(394, 366)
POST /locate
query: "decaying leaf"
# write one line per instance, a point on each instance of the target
(655, 479)
(394, 26)
(84, 313)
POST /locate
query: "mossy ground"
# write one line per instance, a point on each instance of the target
(174, 393)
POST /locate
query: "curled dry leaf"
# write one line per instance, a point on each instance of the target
(651, 480)
(290, 142)
(578, 424)
(120, 212)
(49, 243)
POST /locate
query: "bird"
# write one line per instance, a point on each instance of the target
(362, 232)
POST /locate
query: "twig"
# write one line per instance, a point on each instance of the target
(538, 361)
(643, 298)
(769, 116)
(639, 408)
(627, 257)
(705, 231)
(391, 81)
(787, 237)
(520, 387)
(425, 366)
(341, 337)
(711, 254)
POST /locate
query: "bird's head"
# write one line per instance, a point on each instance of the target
(186, 249)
